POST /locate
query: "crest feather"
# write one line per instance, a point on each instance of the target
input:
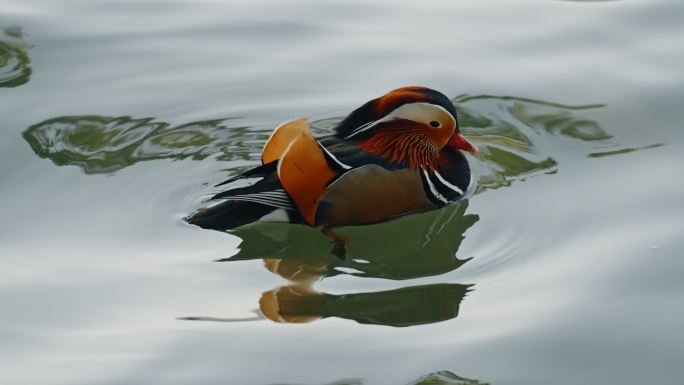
(378, 108)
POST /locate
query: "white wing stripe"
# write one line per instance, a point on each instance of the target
(344, 166)
(285, 205)
(266, 198)
(270, 199)
(276, 193)
(277, 198)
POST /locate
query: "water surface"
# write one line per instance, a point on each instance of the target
(563, 267)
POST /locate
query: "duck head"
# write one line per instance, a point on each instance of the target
(409, 125)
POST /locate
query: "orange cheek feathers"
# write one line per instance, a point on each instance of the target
(440, 136)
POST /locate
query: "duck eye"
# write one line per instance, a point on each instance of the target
(435, 124)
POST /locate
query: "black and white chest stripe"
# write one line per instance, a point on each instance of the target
(440, 191)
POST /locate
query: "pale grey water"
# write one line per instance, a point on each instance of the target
(575, 232)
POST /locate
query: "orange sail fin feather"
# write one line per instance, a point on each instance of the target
(281, 138)
(304, 173)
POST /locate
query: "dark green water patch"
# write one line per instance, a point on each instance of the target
(103, 144)
(414, 246)
(620, 151)
(15, 64)
(407, 306)
(444, 377)
(509, 132)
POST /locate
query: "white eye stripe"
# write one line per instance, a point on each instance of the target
(419, 112)
(365, 127)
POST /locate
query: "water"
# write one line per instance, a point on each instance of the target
(562, 268)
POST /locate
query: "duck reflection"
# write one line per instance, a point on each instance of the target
(407, 248)
(408, 306)
(410, 247)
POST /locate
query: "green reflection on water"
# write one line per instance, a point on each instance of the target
(408, 306)
(101, 144)
(409, 247)
(445, 378)
(385, 250)
(15, 68)
(507, 130)
(438, 378)
(620, 151)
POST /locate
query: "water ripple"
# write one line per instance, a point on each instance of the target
(509, 131)
(103, 144)
(15, 69)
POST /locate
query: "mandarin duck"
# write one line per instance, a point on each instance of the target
(395, 155)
